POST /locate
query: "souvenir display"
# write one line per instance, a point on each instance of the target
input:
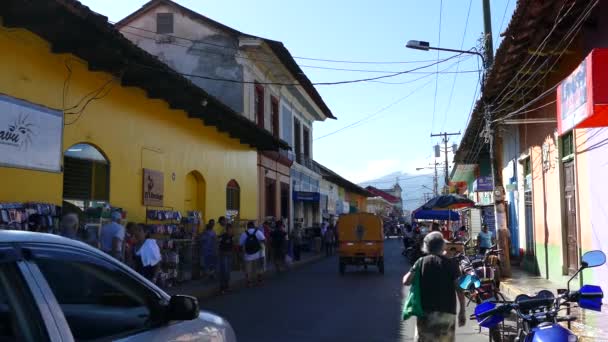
(31, 216)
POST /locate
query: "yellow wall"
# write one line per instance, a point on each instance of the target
(133, 131)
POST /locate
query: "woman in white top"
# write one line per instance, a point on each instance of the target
(147, 254)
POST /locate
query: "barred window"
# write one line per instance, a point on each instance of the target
(233, 196)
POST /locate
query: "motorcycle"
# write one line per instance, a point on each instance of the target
(480, 282)
(539, 315)
(413, 252)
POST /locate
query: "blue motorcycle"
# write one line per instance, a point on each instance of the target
(540, 314)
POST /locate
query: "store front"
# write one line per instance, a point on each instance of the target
(74, 140)
(274, 180)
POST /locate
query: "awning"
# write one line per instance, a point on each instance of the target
(306, 196)
(436, 215)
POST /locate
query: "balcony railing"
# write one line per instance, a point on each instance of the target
(307, 162)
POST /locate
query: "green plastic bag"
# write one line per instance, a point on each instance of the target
(413, 303)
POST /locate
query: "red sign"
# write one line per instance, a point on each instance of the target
(458, 187)
(582, 98)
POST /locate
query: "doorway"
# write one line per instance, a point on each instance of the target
(270, 194)
(194, 193)
(571, 248)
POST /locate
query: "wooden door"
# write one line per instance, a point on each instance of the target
(571, 248)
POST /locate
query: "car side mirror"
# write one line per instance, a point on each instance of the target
(182, 308)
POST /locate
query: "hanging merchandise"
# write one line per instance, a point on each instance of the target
(30, 216)
(174, 234)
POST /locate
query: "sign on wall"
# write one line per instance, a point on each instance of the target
(153, 188)
(582, 98)
(30, 135)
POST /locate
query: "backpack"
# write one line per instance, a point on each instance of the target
(252, 244)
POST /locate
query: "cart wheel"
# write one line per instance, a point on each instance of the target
(365, 267)
(342, 268)
(381, 266)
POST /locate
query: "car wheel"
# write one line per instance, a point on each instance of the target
(381, 266)
(342, 268)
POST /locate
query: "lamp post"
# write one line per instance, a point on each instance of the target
(488, 134)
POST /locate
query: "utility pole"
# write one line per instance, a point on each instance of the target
(445, 136)
(502, 232)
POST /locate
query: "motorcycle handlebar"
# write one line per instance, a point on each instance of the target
(497, 310)
(534, 303)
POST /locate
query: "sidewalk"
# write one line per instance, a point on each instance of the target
(208, 288)
(590, 325)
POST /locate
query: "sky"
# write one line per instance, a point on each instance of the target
(381, 128)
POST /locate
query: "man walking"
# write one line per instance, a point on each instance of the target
(252, 241)
(279, 242)
(329, 239)
(112, 236)
(226, 247)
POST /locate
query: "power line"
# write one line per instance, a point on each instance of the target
(271, 61)
(374, 114)
(297, 84)
(437, 76)
(388, 72)
(504, 14)
(464, 34)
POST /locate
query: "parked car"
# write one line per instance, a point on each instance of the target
(56, 289)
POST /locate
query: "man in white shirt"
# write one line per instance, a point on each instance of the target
(252, 241)
(112, 236)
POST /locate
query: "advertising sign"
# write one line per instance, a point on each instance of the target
(582, 97)
(153, 189)
(484, 184)
(31, 136)
(306, 196)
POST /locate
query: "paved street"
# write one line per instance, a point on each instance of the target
(315, 303)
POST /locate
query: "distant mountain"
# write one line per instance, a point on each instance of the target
(414, 186)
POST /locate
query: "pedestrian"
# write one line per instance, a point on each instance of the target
(221, 227)
(69, 226)
(226, 249)
(209, 249)
(130, 243)
(34, 223)
(266, 249)
(485, 239)
(438, 292)
(329, 238)
(296, 240)
(447, 235)
(113, 236)
(146, 256)
(252, 241)
(278, 238)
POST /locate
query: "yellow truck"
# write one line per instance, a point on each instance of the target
(361, 241)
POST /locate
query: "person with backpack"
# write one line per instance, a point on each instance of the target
(252, 241)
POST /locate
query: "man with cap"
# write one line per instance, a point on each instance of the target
(112, 236)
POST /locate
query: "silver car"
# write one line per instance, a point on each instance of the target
(57, 289)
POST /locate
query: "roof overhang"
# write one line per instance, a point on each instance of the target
(91, 37)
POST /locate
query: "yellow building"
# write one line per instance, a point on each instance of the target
(123, 111)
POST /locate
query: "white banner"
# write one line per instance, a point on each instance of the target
(30, 135)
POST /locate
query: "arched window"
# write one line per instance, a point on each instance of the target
(233, 196)
(86, 175)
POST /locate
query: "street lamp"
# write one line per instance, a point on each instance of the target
(426, 46)
(489, 134)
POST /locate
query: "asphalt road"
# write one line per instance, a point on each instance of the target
(315, 303)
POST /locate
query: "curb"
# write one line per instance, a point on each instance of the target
(213, 290)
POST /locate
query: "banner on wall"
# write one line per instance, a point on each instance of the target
(582, 98)
(31, 135)
(153, 188)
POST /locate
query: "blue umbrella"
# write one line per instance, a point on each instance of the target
(444, 215)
